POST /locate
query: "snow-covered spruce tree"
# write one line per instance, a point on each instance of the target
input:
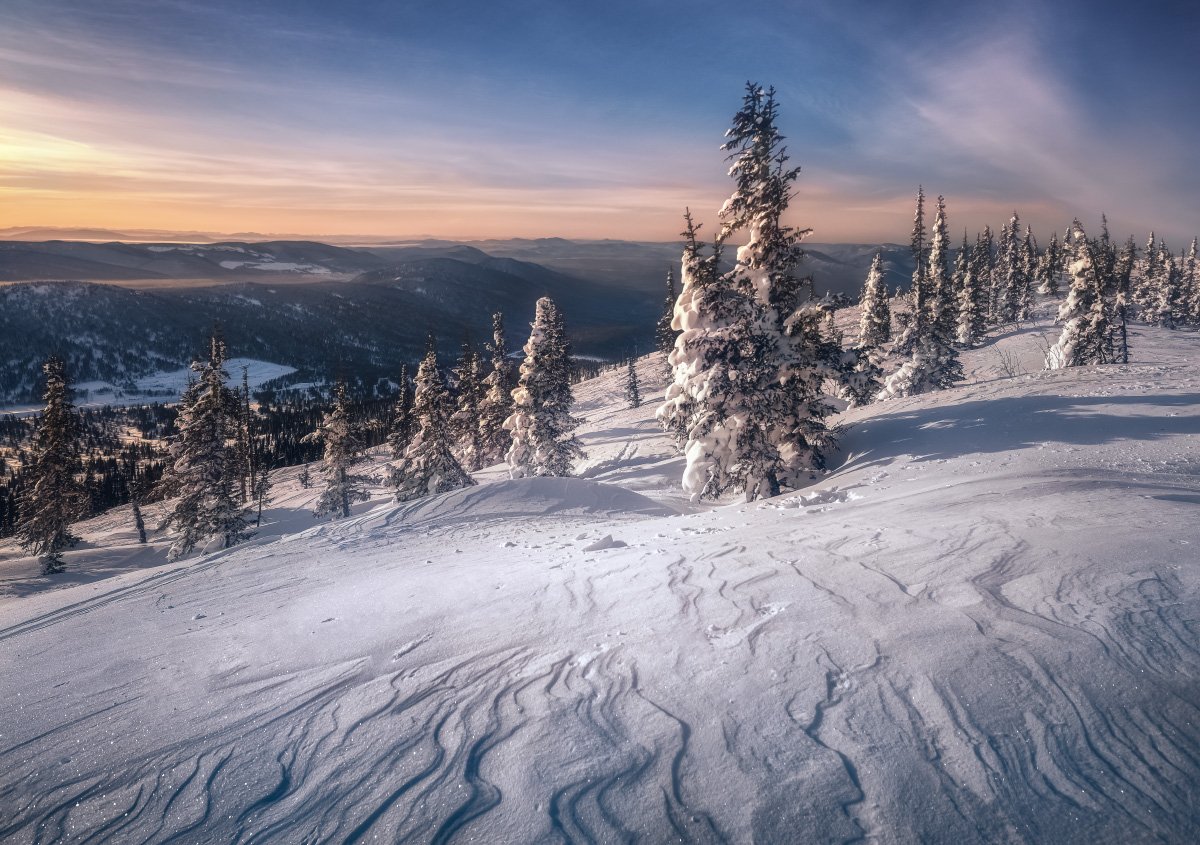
(429, 466)
(664, 335)
(1084, 312)
(716, 363)
(52, 498)
(496, 406)
(1010, 265)
(932, 363)
(1191, 284)
(1167, 310)
(633, 393)
(699, 279)
(344, 450)
(913, 321)
(1123, 273)
(543, 438)
(1029, 261)
(875, 319)
(1049, 268)
(972, 297)
(400, 432)
(464, 421)
(205, 470)
(752, 359)
(1145, 284)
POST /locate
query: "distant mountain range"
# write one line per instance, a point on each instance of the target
(118, 311)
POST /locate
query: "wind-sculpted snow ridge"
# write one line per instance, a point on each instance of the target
(984, 627)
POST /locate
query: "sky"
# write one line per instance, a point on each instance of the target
(589, 118)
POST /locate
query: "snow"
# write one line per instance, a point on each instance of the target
(980, 627)
(162, 386)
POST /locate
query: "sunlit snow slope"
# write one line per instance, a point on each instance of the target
(983, 627)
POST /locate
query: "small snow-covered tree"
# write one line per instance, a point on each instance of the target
(429, 466)
(663, 333)
(53, 498)
(1145, 282)
(1123, 272)
(206, 472)
(633, 393)
(1084, 312)
(1191, 284)
(464, 421)
(343, 451)
(972, 296)
(932, 363)
(1049, 268)
(875, 317)
(543, 430)
(496, 405)
(403, 425)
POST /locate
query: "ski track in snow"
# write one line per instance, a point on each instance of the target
(957, 637)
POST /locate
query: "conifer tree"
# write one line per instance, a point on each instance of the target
(1084, 312)
(972, 298)
(1028, 269)
(1010, 283)
(464, 421)
(664, 334)
(543, 439)
(633, 394)
(932, 363)
(1120, 329)
(1191, 283)
(914, 321)
(429, 465)
(52, 498)
(496, 406)
(750, 365)
(875, 320)
(403, 424)
(343, 451)
(1146, 288)
(206, 469)
(1049, 268)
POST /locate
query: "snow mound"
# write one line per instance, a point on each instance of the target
(528, 497)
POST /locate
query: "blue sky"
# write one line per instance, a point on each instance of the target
(590, 119)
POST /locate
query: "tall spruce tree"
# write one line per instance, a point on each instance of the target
(403, 425)
(496, 406)
(343, 450)
(52, 498)
(750, 365)
(206, 471)
(918, 295)
(429, 466)
(875, 315)
(543, 438)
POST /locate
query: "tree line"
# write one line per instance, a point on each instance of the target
(217, 473)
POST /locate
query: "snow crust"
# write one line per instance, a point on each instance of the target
(981, 627)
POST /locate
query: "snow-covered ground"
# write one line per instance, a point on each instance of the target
(983, 626)
(163, 386)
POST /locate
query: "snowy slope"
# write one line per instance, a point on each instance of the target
(983, 627)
